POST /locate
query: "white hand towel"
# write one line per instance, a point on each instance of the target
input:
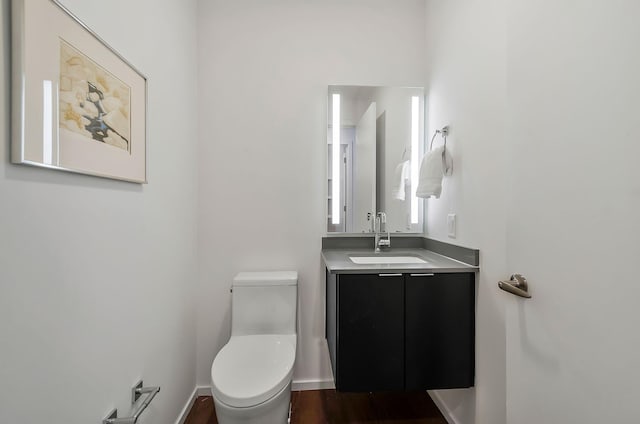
(401, 176)
(430, 181)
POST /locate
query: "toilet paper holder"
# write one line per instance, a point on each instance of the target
(136, 392)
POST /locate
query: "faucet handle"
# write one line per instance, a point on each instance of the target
(382, 219)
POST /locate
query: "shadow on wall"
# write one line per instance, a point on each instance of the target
(545, 360)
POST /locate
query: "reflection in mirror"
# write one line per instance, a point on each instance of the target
(375, 141)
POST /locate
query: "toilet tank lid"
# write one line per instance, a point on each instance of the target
(266, 278)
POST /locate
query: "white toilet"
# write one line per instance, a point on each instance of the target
(252, 373)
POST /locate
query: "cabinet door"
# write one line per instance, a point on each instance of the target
(440, 331)
(370, 332)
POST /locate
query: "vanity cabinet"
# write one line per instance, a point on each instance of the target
(401, 331)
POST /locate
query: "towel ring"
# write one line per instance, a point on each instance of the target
(445, 132)
(446, 169)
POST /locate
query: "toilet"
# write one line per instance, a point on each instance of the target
(251, 375)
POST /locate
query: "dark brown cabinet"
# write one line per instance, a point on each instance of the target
(401, 331)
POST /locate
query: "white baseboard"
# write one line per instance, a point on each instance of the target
(197, 391)
(187, 407)
(448, 415)
(203, 391)
(301, 385)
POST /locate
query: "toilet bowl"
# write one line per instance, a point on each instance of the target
(251, 375)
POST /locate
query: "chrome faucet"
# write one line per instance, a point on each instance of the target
(380, 227)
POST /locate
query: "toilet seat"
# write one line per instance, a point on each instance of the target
(250, 370)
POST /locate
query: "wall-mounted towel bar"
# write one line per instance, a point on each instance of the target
(136, 392)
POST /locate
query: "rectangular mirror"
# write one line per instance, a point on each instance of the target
(375, 141)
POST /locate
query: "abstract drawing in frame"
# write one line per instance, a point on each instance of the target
(78, 105)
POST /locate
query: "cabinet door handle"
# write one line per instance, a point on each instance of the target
(422, 275)
(389, 275)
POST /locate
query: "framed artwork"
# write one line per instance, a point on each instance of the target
(77, 104)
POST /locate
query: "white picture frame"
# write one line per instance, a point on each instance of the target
(77, 104)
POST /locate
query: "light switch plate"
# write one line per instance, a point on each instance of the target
(451, 225)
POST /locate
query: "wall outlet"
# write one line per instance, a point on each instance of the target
(451, 225)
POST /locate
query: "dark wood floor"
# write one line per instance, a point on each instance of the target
(329, 406)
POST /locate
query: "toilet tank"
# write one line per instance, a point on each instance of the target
(264, 303)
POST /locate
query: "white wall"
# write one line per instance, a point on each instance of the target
(97, 277)
(264, 70)
(467, 90)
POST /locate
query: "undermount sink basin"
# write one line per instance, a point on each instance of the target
(384, 260)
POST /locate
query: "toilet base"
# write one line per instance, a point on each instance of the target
(272, 411)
